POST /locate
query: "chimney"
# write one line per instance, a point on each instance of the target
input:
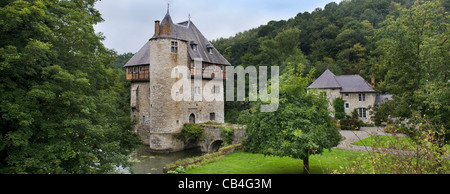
(156, 27)
(373, 82)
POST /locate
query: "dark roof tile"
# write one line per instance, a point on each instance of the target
(347, 83)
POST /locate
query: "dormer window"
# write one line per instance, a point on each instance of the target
(194, 46)
(210, 50)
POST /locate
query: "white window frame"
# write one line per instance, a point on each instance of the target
(347, 105)
(362, 97)
(362, 113)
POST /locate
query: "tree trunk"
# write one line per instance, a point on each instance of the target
(306, 166)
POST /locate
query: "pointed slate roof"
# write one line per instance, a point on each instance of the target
(347, 83)
(326, 80)
(184, 31)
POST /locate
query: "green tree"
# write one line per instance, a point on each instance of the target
(339, 109)
(415, 53)
(299, 128)
(61, 109)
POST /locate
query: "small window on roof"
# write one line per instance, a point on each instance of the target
(210, 50)
(194, 47)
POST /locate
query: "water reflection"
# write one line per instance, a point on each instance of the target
(147, 162)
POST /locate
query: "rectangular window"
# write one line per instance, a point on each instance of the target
(134, 69)
(362, 113)
(361, 97)
(194, 47)
(143, 119)
(130, 70)
(221, 68)
(346, 95)
(212, 116)
(203, 66)
(174, 46)
(140, 69)
(215, 67)
(347, 105)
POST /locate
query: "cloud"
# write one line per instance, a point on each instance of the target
(130, 23)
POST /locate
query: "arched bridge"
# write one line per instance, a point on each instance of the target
(214, 138)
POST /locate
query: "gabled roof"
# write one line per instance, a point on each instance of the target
(347, 83)
(184, 31)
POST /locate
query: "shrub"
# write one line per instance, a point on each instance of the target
(229, 135)
(339, 108)
(351, 123)
(179, 170)
(191, 132)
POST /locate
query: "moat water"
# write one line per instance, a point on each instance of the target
(146, 162)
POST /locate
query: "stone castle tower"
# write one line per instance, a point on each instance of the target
(150, 71)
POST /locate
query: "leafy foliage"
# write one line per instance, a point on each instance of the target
(191, 132)
(351, 123)
(425, 153)
(339, 108)
(414, 52)
(61, 108)
(302, 125)
(228, 133)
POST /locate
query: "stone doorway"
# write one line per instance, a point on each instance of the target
(192, 118)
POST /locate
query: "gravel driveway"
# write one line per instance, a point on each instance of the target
(353, 136)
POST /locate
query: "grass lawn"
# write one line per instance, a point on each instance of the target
(248, 163)
(385, 141)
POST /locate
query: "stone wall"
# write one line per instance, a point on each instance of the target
(164, 111)
(353, 100)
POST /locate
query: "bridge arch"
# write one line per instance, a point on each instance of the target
(215, 145)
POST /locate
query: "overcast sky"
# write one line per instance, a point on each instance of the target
(129, 24)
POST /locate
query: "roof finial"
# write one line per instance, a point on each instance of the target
(189, 20)
(168, 7)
